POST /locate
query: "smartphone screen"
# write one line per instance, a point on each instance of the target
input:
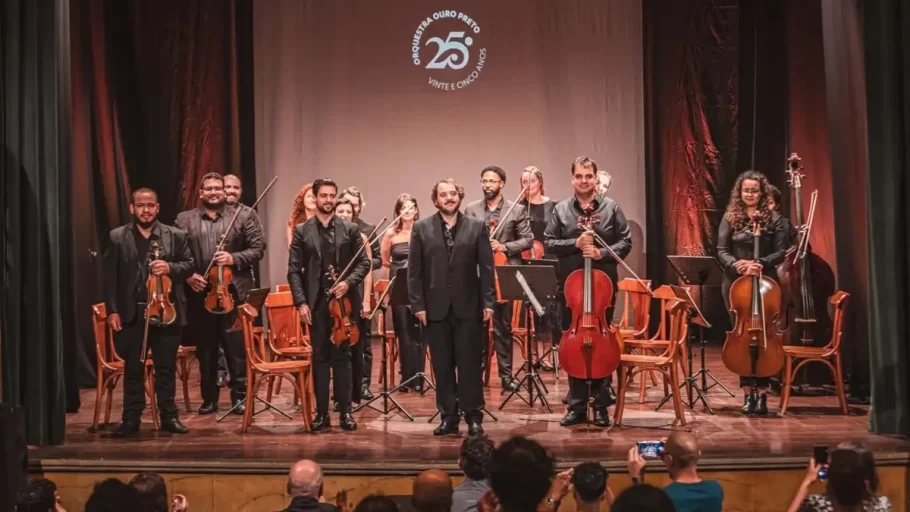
(820, 454)
(650, 449)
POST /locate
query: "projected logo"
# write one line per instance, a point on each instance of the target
(446, 45)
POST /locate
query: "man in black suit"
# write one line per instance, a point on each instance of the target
(128, 262)
(450, 287)
(244, 247)
(327, 241)
(364, 350)
(513, 235)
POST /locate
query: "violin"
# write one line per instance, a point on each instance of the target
(535, 252)
(218, 299)
(754, 348)
(590, 348)
(159, 309)
(344, 326)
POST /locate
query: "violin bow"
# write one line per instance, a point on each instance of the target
(499, 225)
(370, 240)
(385, 293)
(240, 208)
(621, 262)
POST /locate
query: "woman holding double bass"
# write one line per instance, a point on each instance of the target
(742, 256)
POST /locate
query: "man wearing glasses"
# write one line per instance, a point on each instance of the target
(450, 287)
(244, 247)
(512, 236)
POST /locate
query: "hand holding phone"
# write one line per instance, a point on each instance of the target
(650, 449)
(820, 456)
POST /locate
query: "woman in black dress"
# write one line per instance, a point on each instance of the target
(749, 201)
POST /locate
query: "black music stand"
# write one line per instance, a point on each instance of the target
(700, 271)
(529, 284)
(553, 351)
(256, 298)
(695, 317)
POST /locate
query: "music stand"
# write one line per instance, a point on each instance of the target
(256, 298)
(528, 283)
(553, 351)
(700, 271)
(696, 317)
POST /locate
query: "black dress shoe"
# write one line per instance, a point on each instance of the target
(475, 428)
(446, 427)
(761, 407)
(208, 408)
(238, 406)
(126, 429)
(573, 418)
(509, 385)
(320, 422)
(748, 404)
(347, 422)
(366, 394)
(173, 426)
(601, 419)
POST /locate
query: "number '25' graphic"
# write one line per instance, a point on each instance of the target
(453, 43)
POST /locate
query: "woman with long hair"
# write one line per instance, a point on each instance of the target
(852, 483)
(303, 207)
(394, 253)
(749, 203)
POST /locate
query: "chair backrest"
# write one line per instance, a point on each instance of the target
(636, 306)
(105, 352)
(253, 345)
(839, 301)
(283, 288)
(285, 329)
(667, 299)
(677, 326)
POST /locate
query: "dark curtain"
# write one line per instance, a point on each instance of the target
(887, 74)
(36, 315)
(162, 95)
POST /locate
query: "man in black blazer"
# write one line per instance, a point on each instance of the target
(244, 247)
(323, 241)
(128, 262)
(450, 287)
(513, 236)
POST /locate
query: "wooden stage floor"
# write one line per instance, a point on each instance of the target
(392, 444)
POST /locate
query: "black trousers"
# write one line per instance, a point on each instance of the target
(456, 345)
(210, 332)
(579, 393)
(502, 340)
(366, 376)
(327, 357)
(164, 342)
(412, 354)
(744, 382)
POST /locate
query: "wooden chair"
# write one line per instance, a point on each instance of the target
(665, 363)
(185, 358)
(636, 308)
(283, 288)
(388, 337)
(298, 371)
(825, 355)
(287, 336)
(110, 368)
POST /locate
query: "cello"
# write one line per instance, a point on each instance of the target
(159, 309)
(589, 349)
(536, 251)
(754, 348)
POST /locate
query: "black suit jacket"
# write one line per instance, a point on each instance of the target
(124, 268)
(245, 243)
(515, 234)
(305, 261)
(465, 282)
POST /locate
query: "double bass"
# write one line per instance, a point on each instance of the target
(754, 348)
(590, 348)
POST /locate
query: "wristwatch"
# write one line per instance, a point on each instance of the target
(636, 480)
(553, 503)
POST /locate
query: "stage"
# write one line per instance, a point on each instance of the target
(383, 452)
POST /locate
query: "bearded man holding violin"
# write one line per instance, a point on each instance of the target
(511, 236)
(322, 247)
(129, 262)
(207, 325)
(573, 245)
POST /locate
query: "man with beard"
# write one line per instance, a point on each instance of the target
(323, 242)
(243, 248)
(450, 287)
(128, 262)
(363, 350)
(565, 239)
(513, 235)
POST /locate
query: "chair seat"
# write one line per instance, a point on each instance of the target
(644, 360)
(797, 351)
(630, 334)
(183, 351)
(282, 366)
(294, 351)
(646, 343)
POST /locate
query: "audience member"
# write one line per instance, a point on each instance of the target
(589, 483)
(305, 486)
(39, 495)
(112, 495)
(152, 488)
(474, 459)
(852, 484)
(643, 498)
(376, 503)
(432, 492)
(688, 492)
(520, 477)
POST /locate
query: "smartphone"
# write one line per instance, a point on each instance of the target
(650, 449)
(820, 454)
